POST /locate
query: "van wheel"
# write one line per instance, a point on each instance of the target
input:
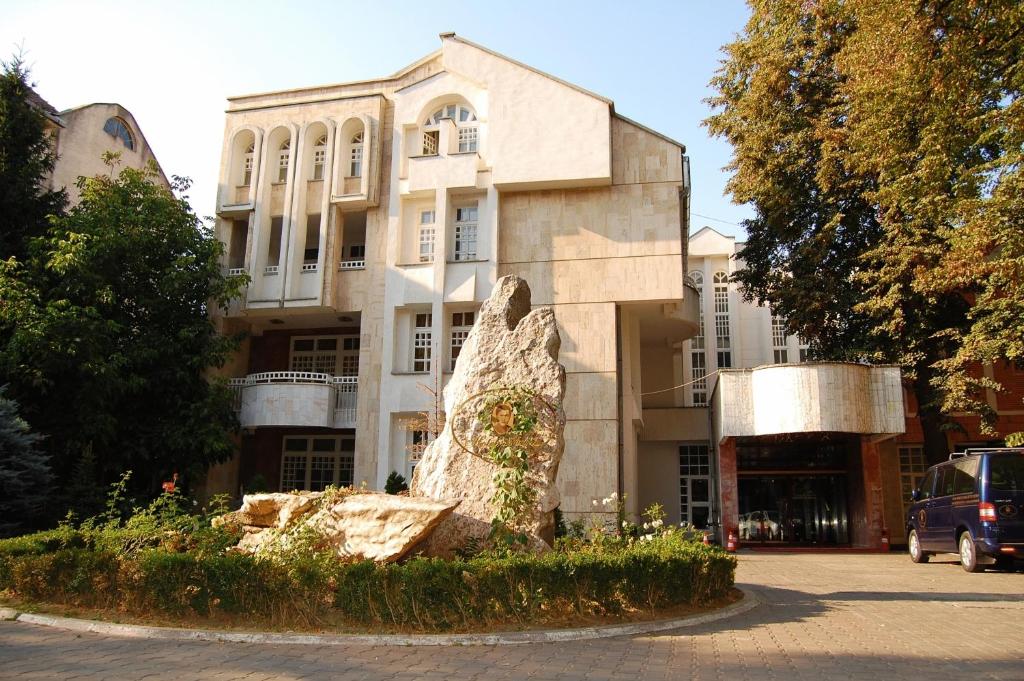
(969, 554)
(914, 545)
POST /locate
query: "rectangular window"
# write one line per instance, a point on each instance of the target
(462, 324)
(247, 171)
(431, 139)
(315, 354)
(699, 360)
(282, 166)
(467, 139)
(912, 468)
(311, 252)
(426, 236)
(312, 463)
(465, 233)
(355, 166)
(274, 247)
(319, 160)
(422, 340)
(723, 339)
(694, 485)
(780, 354)
(804, 348)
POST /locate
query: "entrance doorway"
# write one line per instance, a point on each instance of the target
(793, 509)
(794, 491)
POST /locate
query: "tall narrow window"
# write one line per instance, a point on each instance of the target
(779, 353)
(319, 157)
(311, 252)
(283, 156)
(698, 358)
(422, 340)
(723, 338)
(426, 236)
(462, 324)
(694, 485)
(465, 233)
(247, 165)
(274, 245)
(355, 161)
(912, 469)
(349, 364)
(804, 348)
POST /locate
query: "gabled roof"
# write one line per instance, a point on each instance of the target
(36, 101)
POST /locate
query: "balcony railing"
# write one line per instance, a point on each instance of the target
(352, 264)
(258, 404)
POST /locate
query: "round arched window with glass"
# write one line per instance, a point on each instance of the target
(465, 124)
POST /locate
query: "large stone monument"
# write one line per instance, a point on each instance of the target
(510, 351)
(510, 346)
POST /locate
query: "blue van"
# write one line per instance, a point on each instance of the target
(973, 505)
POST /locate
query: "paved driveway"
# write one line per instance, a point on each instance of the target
(870, 617)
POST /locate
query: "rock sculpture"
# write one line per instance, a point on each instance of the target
(379, 527)
(509, 346)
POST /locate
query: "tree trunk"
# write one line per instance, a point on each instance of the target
(936, 446)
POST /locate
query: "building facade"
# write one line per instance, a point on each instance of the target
(83, 134)
(374, 217)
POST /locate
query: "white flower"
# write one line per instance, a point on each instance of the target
(657, 523)
(594, 502)
(614, 496)
(647, 526)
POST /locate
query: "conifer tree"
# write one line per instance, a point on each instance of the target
(25, 476)
(26, 161)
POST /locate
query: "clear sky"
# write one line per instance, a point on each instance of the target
(172, 64)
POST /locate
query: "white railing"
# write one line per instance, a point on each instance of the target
(309, 267)
(235, 271)
(352, 264)
(346, 389)
(271, 269)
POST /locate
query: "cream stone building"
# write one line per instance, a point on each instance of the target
(374, 217)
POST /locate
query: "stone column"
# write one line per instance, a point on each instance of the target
(727, 489)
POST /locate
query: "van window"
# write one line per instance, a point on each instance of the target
(1007, 473)
(947, 480)
(963, 483)
(927, 484)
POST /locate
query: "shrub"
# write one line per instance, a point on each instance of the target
(70, 568)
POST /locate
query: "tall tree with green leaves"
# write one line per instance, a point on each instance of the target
(867, 135)
(26, 160)
(110, 339)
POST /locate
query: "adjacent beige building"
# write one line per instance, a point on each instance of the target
(83, 134)
(374, 217)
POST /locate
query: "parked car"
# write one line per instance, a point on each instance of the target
(760, 525)
(973, 505)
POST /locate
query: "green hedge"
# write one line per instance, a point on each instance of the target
(421, 594)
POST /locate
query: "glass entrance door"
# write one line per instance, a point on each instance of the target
(793, 509)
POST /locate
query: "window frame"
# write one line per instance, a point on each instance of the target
(426, 236)
(422, 345)
(319, 158)
(466, 234)
(346, 346)
(284, 154)
(344, 460)
(458, 333)
(355, 155)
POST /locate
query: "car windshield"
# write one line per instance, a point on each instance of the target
(1008, 473)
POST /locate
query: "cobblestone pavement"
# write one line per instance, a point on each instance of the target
(835, 616)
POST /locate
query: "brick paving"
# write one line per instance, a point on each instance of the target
(834, 616)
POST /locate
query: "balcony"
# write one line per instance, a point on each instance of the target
(295, 398)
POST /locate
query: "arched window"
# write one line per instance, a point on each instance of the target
(355, 161)
(118, 128)
(723, 338)
(247, 164)
(465, 123)
(284, 152)
(319, 157)
(698, 360)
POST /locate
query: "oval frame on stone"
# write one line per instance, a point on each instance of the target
(505, 416)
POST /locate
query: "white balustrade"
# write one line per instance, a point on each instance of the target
(352, 264)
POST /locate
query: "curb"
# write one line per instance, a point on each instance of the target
(748, 602)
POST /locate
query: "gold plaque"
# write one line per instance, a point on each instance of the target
(502, 418)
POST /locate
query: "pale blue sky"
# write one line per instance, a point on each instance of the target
(173, 64)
